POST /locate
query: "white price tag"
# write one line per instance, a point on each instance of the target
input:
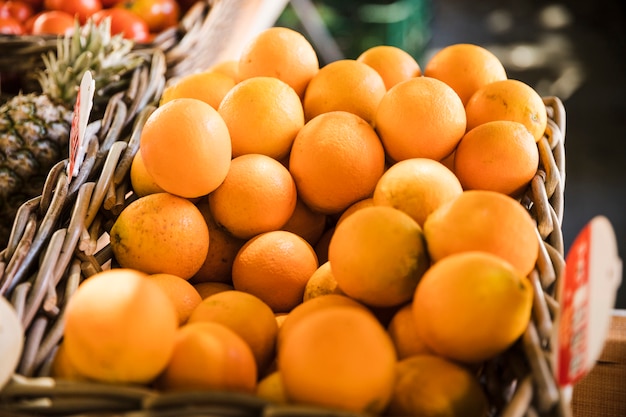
(80, 119)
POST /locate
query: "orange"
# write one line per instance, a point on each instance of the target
(417, 186)
(223, 247)
(237, 310)
(321, 247)
(306, 223)
(392, 63)
(263, 115)
(209, 356)
(321, 282)
(377, 255)
(420, 118)
(340, 357)
(62, 367)
(208, 288)
(487, 221)
(366, 202)
(508, 100)
(336, 160)
(282, 53)
(161, 233)
(142, 183)
(185, 146)
(500, 156)
(229, 67)
(183, 295)
(120, 327)
(257, 196)
(472, 306)
(465, 67)
(275, 266)
(270, 388)
(403, 333)
(208, 86)
(346, 85)
(429, 385)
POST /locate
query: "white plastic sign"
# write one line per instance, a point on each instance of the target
(82, 110)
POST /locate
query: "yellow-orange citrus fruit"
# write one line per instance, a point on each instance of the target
(321, 247)
(472, 306)
(183, 295)
(465, 67)
(275, 266)
(258, 195)
(417, 186)
(247, 316)
(120, 327)
(282, 53)
(306, 223)
(208, 86)
(161, 233)
(486, 221)
(185, 146)
(339, 357)
(142, 183)
(321, 282)
(403, 333)
(336, 160)
(209, 356)
(208, 288)
(344, 85)
(270, 388)
(508, 100)
(229, 67)
(263, 115)
(420, 118)
(223, 247)
(500, 156)
(429, 385)
(394, 64)
(377, 255)
(62, 367)
(366, 202)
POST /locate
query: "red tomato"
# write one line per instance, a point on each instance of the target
(158, 14)
(83, 8)
(10, 26)
(125, 22)
(18, 10)
(53, 22)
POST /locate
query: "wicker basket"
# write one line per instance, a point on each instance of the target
(60, 238)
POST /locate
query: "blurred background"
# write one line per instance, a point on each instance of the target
(575, 50)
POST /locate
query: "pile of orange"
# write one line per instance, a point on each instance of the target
(346, 236)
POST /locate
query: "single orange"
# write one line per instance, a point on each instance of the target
(394, 64)
(183, 295)
(336, 160)
(185, 146)
(366, 202)
(258, 195)
(321, 282)
(403, 333)
(306, 222)
(141, 181)
(208, 288)
(228, 67)
(420, 118)
(208, 86)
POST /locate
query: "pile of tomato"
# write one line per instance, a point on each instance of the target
(138, 20)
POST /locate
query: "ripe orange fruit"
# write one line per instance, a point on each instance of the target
(142, 183)
(366, 202)
(223, 247)
(237, 310)
(209, 356)
(270, 388)
(321, 282)
(486, 221)
(420, 118)
(392, 63)
(229, 67)
(282, 53)
(263, 115)
(345, 85)
(339, 357)
(417, 186)
(508, 100)
(62, 366)
(257, 196)
(185, 146)
(500, 156)
(183, 295)
(321, 248)
(429, 385)
(403, 333)
(466, 68)
(208, 86)
(208, 288)
(120, 327)
(161, 233)
(275, 266)
(306, 223)
(336, 160)
(472, 306)
(377, 255)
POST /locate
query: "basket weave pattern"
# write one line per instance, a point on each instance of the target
(60, 238)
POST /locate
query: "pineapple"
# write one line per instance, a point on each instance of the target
(34, 128)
